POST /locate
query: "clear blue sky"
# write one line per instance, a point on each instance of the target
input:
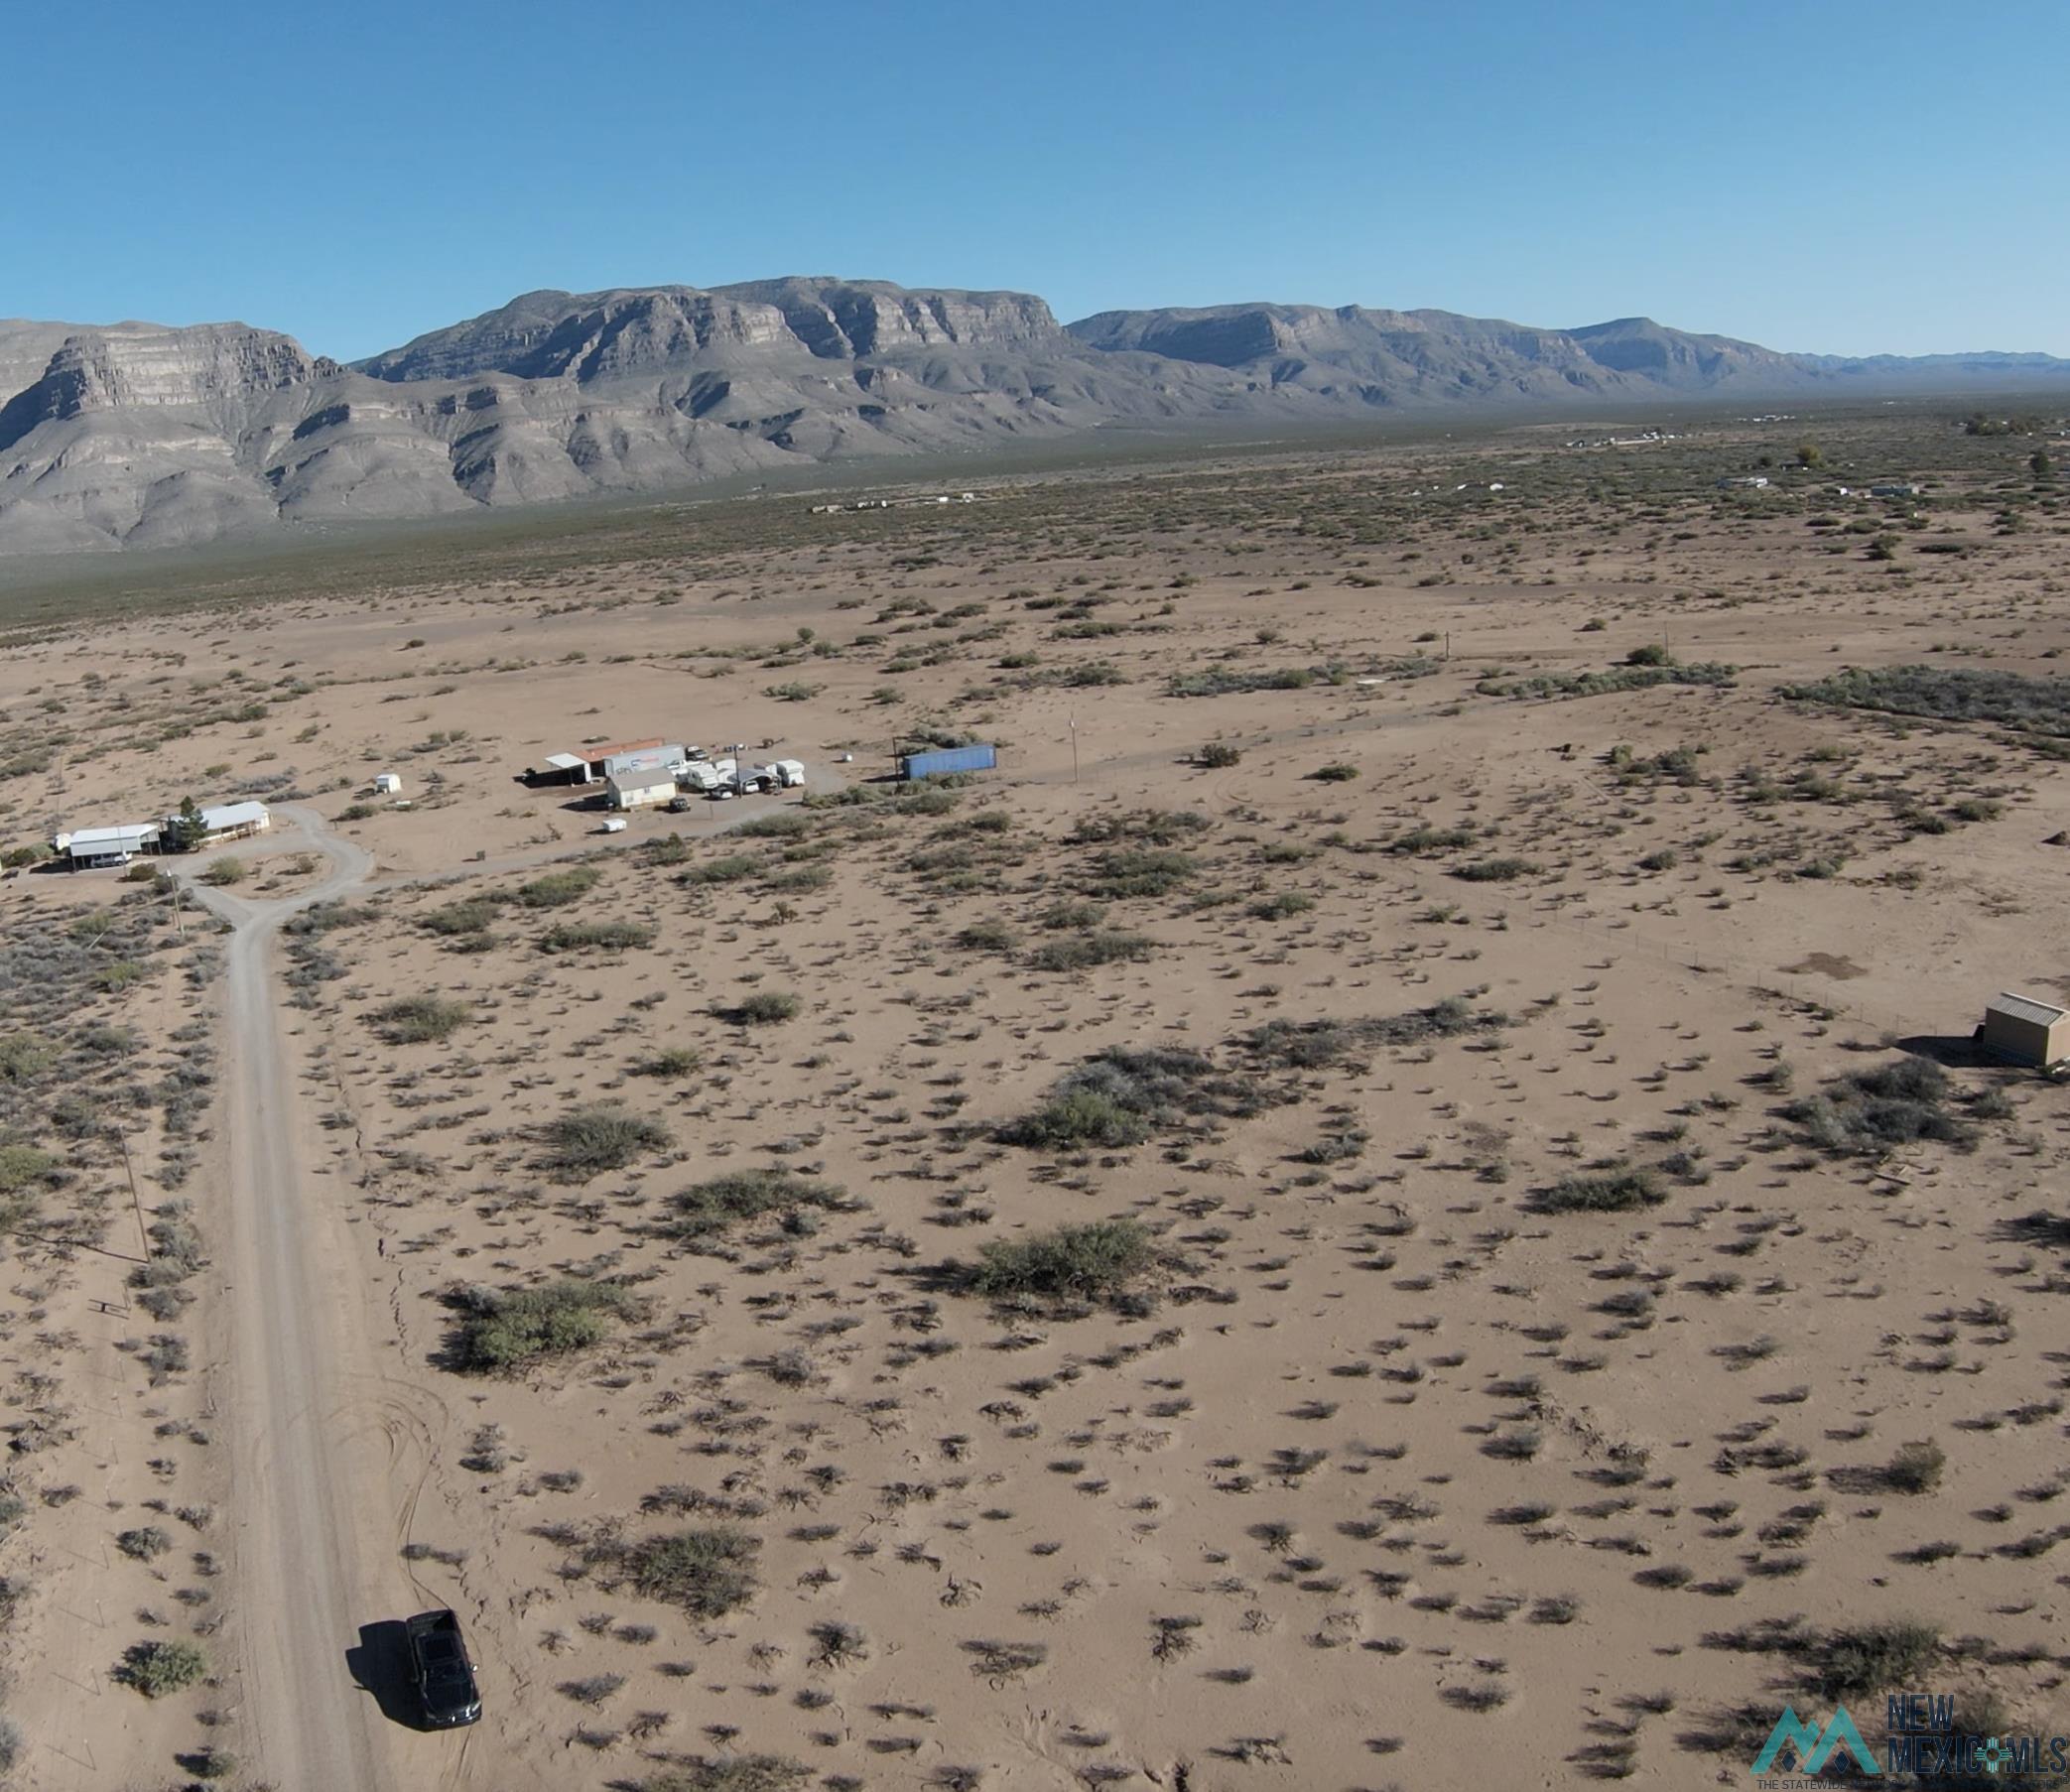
(1852, 178)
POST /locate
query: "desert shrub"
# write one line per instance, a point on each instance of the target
(991, 935)
(736, 1773)
(1140, 827)
(1604, 1191)
(167, 1665)
(1617, 678)
(1306, 1045)
(795, 691)
(706, 1572)
(587, 1141)
(24, 1056)
(1141, 871)
(1216, 755)
(609, 936)
(355, 811)
(472, 915)
(225, 871)
(2039, 705)
(506, 1331)
(1495, 870)
(555, 889)
(729, 869)
(1092, 1261)
(1420, 839)
(1119, 1095)
(1282, 904)
(668, 1063)
(1337, 772)
(1866, 1113)
(1915, 1468)
(22, 1167)
(146, 1543)
(760, 1008)
(723, 1201)
(778, 825)
(1082, 951)
(1653, 654)
(1859, 1663)
(420, 1019)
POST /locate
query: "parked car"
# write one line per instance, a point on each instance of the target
(443, 1670)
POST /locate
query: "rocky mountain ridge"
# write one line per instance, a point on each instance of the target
(138, 435)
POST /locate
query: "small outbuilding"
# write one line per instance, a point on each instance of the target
(639, 789)
(2022, 1030)
(86, 849)
(388, 784)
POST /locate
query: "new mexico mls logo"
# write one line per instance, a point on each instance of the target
(1813, 1747)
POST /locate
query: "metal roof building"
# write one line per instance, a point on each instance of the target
(2022, 1030)
(114, 845)
(233, 821)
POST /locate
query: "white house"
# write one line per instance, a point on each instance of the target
(387, 784)
(229, 822)
(114, 845)
(639, 789)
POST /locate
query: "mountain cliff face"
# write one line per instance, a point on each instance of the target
(138, 434)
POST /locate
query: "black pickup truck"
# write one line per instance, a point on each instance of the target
(444, 1674)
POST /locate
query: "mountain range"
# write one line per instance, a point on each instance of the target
(150, 435)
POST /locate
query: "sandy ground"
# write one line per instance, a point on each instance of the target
(1386, 1475)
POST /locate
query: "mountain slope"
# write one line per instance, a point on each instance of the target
(142, 434)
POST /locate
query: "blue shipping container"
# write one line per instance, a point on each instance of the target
(982, 756)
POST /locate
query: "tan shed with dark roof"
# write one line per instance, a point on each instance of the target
(2026, 1031)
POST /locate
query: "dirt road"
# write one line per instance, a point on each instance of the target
(295, 1490)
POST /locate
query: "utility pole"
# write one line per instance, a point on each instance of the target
(1074, 749)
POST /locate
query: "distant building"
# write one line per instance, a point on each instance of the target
(1749, 483)
(639, 789)
(230, 822)
(1898, 488)
(559, 768)
(2022, 1030)
(89, 847)
(387, 784)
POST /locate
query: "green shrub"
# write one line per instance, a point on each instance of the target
(706, 1572)
(1915, 1468)
(587, 1141)
(1217, 755)
(23, 1166)
(991, 935)
(472, 915)
(225, 871)
(24, 1056)
(668, 1063)
(1495, 870)
(500, 1331)
(760, 1008)
(1140, 828)
(1421, 839)
(1282, 904)
(777, 824)
(1609, 1191)
(608, 935)
(721, 1201)
(736, 1773)
(2039, 705)
(1337, 772)
(729, 869)
(1082, 951)
(1079, 1118)
(1866, 1113)
(168, 1665)
(557, 888)
(1875, 1658)
(1653, 654)
(796, 691)
(1137, 872)
(420, 1019)
(1093, 1262)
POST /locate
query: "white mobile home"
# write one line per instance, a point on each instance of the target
(639, 789)
(230, 822)
(87, 847)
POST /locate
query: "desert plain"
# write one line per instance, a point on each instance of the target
(1401, 1198)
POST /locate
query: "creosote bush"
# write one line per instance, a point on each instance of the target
(587, 1141)
(736, 1773)
(1604, 1191)
(1866, 1113)
(420, 1019)
(165, 1665)
(760, 1008)
(1090, 1262)
(557, 888)
(507, 1331)
(706, 1572)
(721, 1201)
